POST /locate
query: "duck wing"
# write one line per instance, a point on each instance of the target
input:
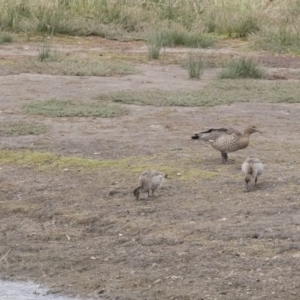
(213, 134)
(232, 130)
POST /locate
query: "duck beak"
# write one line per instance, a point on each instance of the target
(257, 130)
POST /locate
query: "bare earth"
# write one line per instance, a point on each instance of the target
(82, 233)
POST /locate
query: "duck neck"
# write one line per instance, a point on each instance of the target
(246, 134)
(244, 140)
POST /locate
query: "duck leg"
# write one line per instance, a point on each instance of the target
(255, 180)
(152, 193)
(246, 187)
(224, 157)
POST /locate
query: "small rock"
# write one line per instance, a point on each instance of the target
(113, 192)
(157, 281)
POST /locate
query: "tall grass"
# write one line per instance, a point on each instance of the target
(234, 18)
(242, 68)
(176, 36)
(5, 38)
(156, 40)
(195, 64)
(179, 36)
(45, 50)
(267, 22)
(282, 30)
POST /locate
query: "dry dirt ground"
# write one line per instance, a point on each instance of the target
(81, 232)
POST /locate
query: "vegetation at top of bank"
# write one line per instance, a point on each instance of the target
(270, 25)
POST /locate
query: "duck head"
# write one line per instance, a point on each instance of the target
(251, 129)
(136, 193)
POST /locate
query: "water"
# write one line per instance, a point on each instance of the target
(26, 291)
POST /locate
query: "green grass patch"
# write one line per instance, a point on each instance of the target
(21, 128)
(242, 68)
(54, 65)
(68, 108)
(51, 160)
(128, 165)
(219, 92)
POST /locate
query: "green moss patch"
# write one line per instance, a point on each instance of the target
(69, 108)
(53, 64)
(21, 128)
(219, 92)
(130, 165)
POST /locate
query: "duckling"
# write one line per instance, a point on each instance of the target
(149, 180)
(226, 140)
(252, 168)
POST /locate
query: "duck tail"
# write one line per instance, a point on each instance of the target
(195, 136)
(250, 169)
(136, 192)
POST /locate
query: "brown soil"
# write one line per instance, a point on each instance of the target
(82, 232)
